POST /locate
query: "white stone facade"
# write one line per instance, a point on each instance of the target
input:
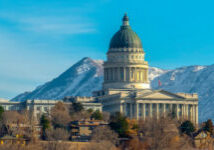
(126, 88)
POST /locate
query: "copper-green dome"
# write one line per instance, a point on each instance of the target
(125, 37)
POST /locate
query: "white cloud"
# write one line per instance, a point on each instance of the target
(57, 26)
(51, 24)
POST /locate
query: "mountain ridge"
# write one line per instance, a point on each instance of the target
(87, 75)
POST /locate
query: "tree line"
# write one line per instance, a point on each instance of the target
(121, 133)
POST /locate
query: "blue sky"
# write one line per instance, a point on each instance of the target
(39, 39)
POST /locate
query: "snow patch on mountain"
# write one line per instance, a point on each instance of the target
(86, 76)
(78, 80)
(155, 72)
(191, 79)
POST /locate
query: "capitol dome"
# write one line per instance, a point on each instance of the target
(125, 37)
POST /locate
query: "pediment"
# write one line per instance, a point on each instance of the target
(160, 94)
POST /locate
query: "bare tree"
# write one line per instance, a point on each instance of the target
(13, 122)
(162, 134)
(106, 116)
(81, 115)
(104, 133)
(57, 134)
(60, 115)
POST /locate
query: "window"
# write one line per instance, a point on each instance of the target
(38, 108)
(128, 109)
(161, 109)
(121, 74)
(140, 106)
(189, 111)
(154, 106)
(180, 110)
(167, 108)
(147, 109)
(46, 109)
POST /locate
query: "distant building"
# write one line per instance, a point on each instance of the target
(126, 88)
(203, 140)
(87, 102)
(39, 107)
(82, 130)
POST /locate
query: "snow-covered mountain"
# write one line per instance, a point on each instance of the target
(87, 75)
(191, 79)
(80, 80)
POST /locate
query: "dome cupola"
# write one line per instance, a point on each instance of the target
(125, 67)
(125, 37)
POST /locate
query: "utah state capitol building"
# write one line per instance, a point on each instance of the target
(126, 88)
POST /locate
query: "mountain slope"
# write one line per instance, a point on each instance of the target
(191, 79)
(87, 75)
(82, 78)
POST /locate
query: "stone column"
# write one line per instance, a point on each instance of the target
(136, 75)
(187, 111)
(118, 74)
(137, 110)
(133, 79)
(182, 111)
(131, 111)
(107, 78)
(104, 74)
(170, 108)
(129, 74)
(164, 110)
(196, 113)
(150, 110)
(193, 114)
(177, 111)
(124, 109)
(144, 111)
(124, 74)
(143, 75)
(146, 74)
(121, 108)
(112, 74)
(157, 110)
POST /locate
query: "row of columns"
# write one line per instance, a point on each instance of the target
(126, 74)
(143, 110)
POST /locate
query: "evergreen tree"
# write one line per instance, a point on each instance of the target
(90, 110)
(45, 123)
(97, 115)
(119, 124)
(77, 107)
(187, 127)
(209, 126)
(1, 112)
